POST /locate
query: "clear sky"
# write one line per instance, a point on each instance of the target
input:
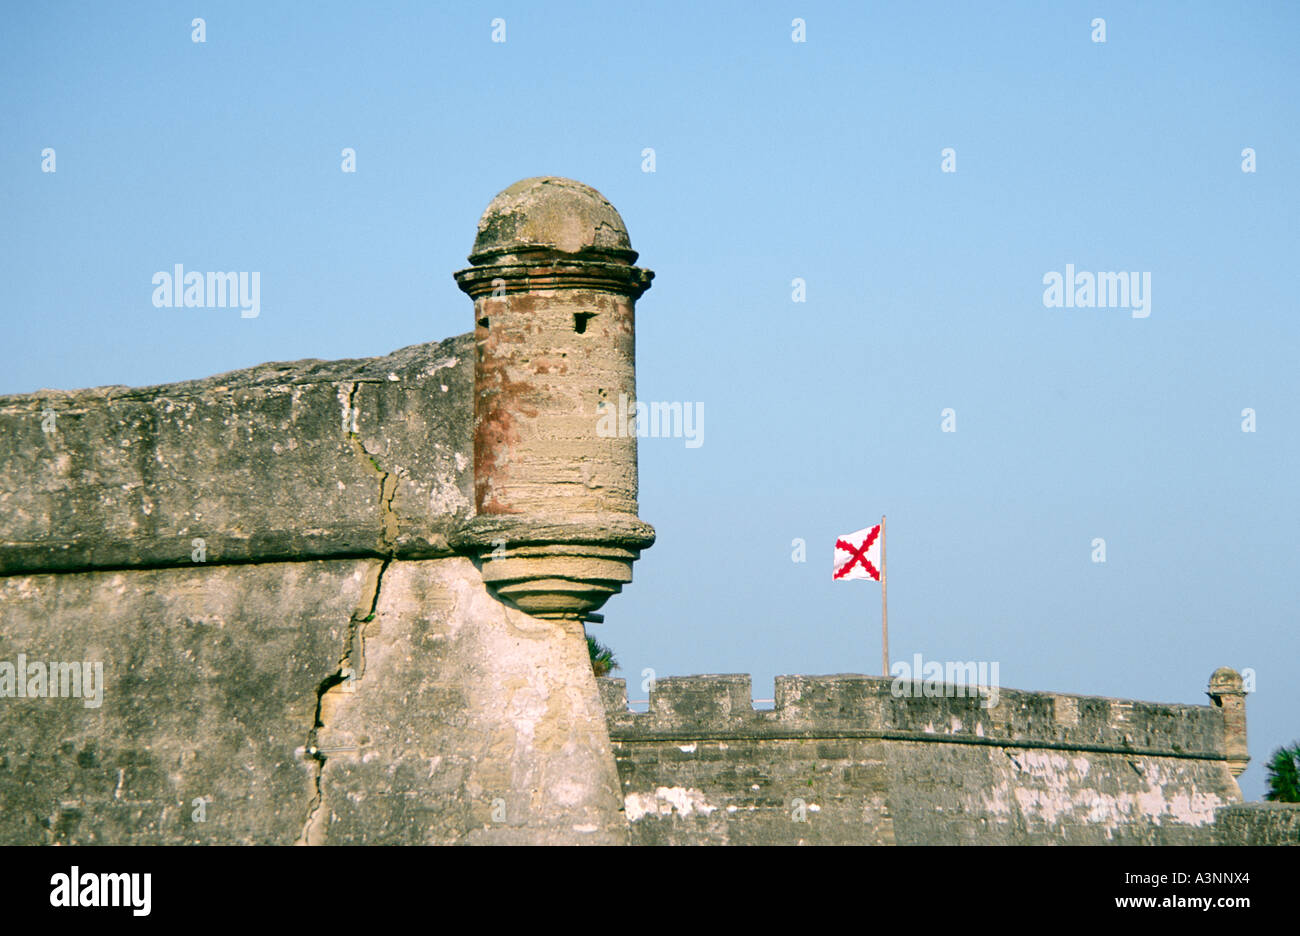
(773, 160)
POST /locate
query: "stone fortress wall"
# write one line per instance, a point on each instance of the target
(324, 667)
(344, 602)
(844, 760)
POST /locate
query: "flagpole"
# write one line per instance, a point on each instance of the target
(884, 604)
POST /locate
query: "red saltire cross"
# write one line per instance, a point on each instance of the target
(858, 554)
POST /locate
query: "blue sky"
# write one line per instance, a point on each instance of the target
(774, 160)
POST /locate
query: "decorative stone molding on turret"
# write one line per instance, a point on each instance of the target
(554, 288)
(1227, 692)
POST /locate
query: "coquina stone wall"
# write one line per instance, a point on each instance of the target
(334, 602)
(1258, 824)
(843, 760)
(252, 690)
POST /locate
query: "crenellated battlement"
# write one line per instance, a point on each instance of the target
(853, 706)
(866, 760)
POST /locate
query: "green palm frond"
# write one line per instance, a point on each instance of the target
(1284, 775)
(602, 658)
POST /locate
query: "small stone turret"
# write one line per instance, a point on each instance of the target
(1228, 693)
(555, 470)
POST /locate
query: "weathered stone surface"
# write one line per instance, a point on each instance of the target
(381, 693)
(280, 461)
(210, 678)
(554, 295)
(551, 213)
(840, 759)
(468, 722)
(1258, 824)
(214, 680)
(1227, 693)
(865, 706)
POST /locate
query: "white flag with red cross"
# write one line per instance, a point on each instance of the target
(857, 555)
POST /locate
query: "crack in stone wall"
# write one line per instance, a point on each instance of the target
(351, 668)
(388, 480)
(351, 665)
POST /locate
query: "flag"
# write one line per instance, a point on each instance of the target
(857, 555)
